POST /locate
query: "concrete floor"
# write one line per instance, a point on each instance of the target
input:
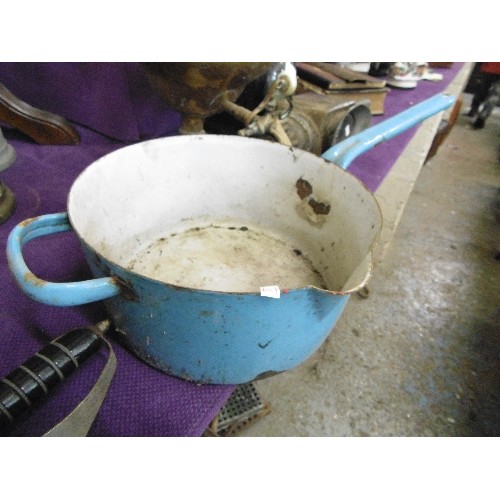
(421, 355)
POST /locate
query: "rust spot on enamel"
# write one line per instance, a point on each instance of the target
(304, 189)
(27, 222)
(319, 207)
(29, 277)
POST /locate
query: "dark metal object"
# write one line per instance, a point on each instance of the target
(320, 121)
(7, 199)
(379, 69)
(40, 374)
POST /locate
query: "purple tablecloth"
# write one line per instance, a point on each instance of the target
(111, 105)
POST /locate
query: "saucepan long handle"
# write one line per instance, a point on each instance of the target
(56, 294)
(343, 153)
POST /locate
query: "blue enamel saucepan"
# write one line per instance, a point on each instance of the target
(221, 259)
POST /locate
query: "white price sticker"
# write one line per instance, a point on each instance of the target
(270, 291)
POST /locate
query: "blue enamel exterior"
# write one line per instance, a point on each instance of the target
(57, 294)
(203, 336)
(214, 337)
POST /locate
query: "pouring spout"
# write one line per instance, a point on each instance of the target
(343, 153)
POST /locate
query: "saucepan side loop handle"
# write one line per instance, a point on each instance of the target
(56, 294)
(343, 153)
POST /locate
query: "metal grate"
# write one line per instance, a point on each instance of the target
(243, 406)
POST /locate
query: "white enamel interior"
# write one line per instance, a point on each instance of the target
(140, 195)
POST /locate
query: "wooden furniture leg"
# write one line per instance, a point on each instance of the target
(42, 126)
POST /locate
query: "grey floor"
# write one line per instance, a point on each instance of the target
(421, 355)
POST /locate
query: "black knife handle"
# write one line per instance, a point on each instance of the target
(37, 376)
